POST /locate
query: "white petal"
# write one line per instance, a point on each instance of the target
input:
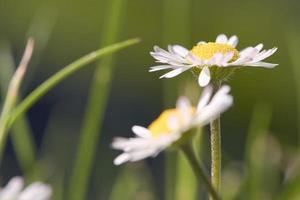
(263, 64)
(264, 54)
(180, 50)
(215, 59)
(161, 67)
(204, 77)
(12, 189)
(205, 97)
(222, 39)
(124, 157)
(141, 131)
(233, 41)
(184, 105)
(173, 123)
(259, 47)
(220, 102)
(36, 191)
(201, 42)
(175, 72)
(194, 60)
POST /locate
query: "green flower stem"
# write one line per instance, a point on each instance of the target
(215, 140)
(199, 170)
(39, 92)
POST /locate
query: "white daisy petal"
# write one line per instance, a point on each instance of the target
(180, 50)
(161, 67)
(205, 97)
(233, 41)
(173, 123)
(264, 54)
(175, 72)
(12, 189)
(141, 131)
(263, 64)
(195, 60)
(220, 102)
(226, 58)
(222, 39)
(259, 47)
(184, 105)
(204, 77)
(124, 157)
(36, 191)
(201, 42)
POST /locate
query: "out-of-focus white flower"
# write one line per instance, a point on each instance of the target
(221, 53)
(14, 190)
(170, 126)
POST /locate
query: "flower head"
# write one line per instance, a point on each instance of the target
(205, 56)
(171, 125)
(14, 190)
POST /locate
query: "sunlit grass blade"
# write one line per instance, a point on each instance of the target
(176, 30)
(255, 151)
(39, 92)
(97, 100)
(13, 92)
(21, 132)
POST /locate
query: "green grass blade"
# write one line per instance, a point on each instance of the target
(176, 30)
(186, 183)
(97, 100)
(255, 150)
(39, 92)
(294, 48)
(13, 92)
(21, 132)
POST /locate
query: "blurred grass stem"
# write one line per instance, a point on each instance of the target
(12, 93)
(199, 170)
(95, 108)
(39, 92)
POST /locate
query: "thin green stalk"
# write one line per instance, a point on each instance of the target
(97, 100)
(39, 92)
(68, 70)
(21, 133)
(215, 140)
(176, 29)
(199, 170)
(255, 152)
(293, 44)
(12, 93)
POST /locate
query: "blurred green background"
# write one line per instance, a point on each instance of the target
(67, 30)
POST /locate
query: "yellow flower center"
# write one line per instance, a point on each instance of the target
(207, 50)
(160, 126)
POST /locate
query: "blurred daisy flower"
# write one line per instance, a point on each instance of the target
(210, 60)
(14, 190)
(172, 126)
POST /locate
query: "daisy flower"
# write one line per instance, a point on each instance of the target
(210, 59)
(14, 190)
(172, 125)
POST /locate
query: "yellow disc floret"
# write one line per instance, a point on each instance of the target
(160, 125)
(207, 50)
